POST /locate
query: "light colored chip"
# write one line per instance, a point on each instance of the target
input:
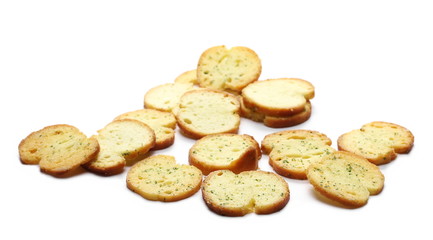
(120, 141)
(379, 142)
(225, 151)
(160, 178)
(229, 70)
(204, 112)
(227, 193)
(346, 178)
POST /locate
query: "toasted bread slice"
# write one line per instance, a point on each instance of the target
(346, 178)
(276, 122)
(165, 97)
(291, 152)
(189, 77)
(160, 178)
(162, 123)
(204, 112)
(230, 194)
(58, 149)
(120, 141)
(225, 151)
(280, 97)
(229, 70)
(379, 142)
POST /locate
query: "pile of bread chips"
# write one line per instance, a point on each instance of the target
(207, 105)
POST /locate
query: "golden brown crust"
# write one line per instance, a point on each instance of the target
(272, 139)
(274, 112)
(160, 178)
(265, 89)
(292, 151)
(276, 122)
(58, 149)
(377, 141)
(346, 178)
(222, 144)
(230, 70)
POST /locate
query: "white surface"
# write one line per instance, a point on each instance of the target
(84, 62)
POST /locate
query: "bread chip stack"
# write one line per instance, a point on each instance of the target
(282, 102)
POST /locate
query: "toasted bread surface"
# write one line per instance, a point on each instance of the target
(166, 97)
(379, 142)
(160, 178)
(230, 194)
(162, 123)
(346, 178)
(225, 151)
(120, 141)
(204, 112)
(58, 149)
(280, 97)
(230, 70)
(292, 151)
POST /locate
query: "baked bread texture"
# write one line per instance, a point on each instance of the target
(230, 194)
(121, 141)
(204, 112)
(346, 178)
(162, 123)
(379, 142)
(58, 149)
(291, 152)
(225, 151)
(189, 77)
(165, 97)
(229, 70)
(280, 97)
(276, 122)
(160, 178)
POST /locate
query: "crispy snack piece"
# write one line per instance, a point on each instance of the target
(58, 149)
(280, 97)
(292, 151)
(276, 122)
(229, 70)
(230, 194)
(204, 112)
(162, 123)
(379, 142)
(120, 141)
(160, 178)
(166, 97)
(346, 178)
(187, 77)
(225, 151)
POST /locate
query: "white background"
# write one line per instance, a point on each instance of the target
(85, 62)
